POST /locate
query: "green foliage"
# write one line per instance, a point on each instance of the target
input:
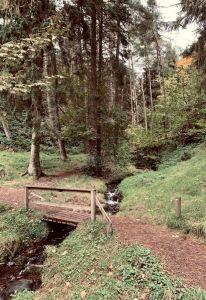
(185, 109)
(147, 148)
(20, 137)
(114, 167)
(123, 156)
(90, 265)
(152, 194)
(25, 295)
(2, 208)
(172, 158)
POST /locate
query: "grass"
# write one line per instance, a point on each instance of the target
(90, 265)
(14, 164)
(151, 195)
(17, 229)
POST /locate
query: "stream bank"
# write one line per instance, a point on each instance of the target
(24, 270)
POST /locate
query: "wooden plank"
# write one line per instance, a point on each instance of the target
(93, 206)
(69, 217)
(26, 198)
(178, 207)
(101, 208)
(106, 217)
(56, 220)
(46, 188)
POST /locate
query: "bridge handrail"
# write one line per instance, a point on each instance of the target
(105, 216)
(30, 187)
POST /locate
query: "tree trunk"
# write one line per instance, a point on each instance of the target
(144, 105)
(52, 103)
(5, 127)
(34, 168)
(162, 77)
(150, 78)
(95, 91)
(117, 65)
(133, 93)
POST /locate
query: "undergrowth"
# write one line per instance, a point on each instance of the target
(151, 195)
(89, 265)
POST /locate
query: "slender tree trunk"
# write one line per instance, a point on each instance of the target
(65, 58)
(131, 93)
(111, 75)
(5, 125)
(150, 78)
(117, 65)
(100, 87)
(144, 105)
(134, 101)
(162, 77)
(95, 92)
(52, 103)
(135, 92)
(117, 97)
(34, 168)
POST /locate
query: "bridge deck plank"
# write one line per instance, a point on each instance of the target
(63, 213)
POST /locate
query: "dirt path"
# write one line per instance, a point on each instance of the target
(13, 197)
(183, 256)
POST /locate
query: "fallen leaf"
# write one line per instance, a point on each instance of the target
(92, 271)
(68, 284)
(83, 294)
(64, 253)
(110, 274)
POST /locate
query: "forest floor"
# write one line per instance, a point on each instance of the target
(183, 255)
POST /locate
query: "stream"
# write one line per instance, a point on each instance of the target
(23, 272)
(113, 197)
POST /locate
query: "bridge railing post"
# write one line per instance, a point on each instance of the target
(26, 198)
(93, 205)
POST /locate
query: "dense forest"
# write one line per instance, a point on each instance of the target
(98, 77)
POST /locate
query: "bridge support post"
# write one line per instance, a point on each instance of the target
(26, 198)
(93, 205)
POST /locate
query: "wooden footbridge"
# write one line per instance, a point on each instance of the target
(72, 214)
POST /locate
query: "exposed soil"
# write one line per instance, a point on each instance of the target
(183, 256)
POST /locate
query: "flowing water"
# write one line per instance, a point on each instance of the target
(113, 197)
(24, 270)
